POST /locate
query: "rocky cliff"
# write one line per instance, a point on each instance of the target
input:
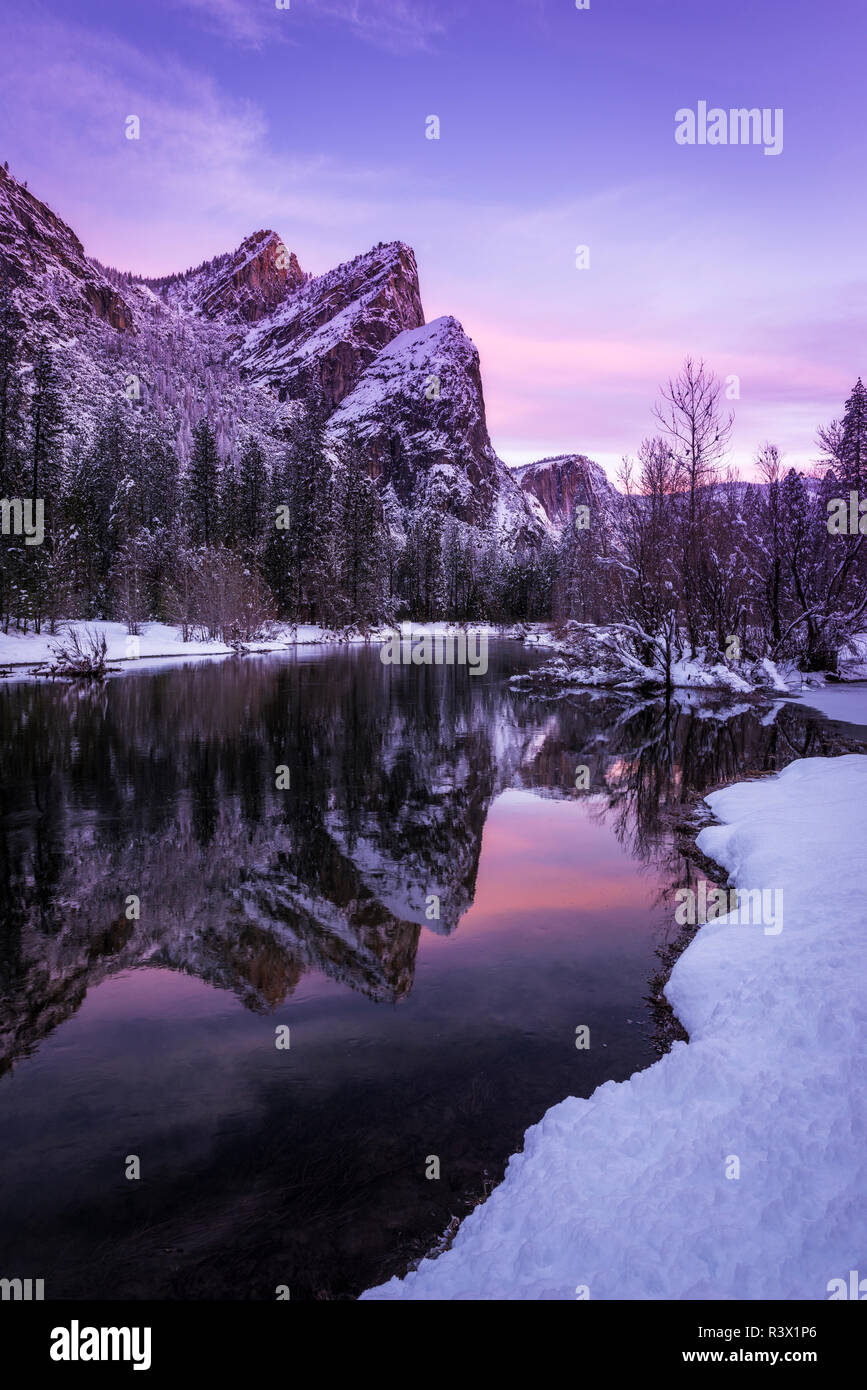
(327, 333)
(246, 335)
(38, 251)
(240, 287)
(560, 484)
(419, 411)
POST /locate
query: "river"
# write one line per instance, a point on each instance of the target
(258, 1036)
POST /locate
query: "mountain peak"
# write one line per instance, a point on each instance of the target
(325, 334)
(241, 286)
(562, 481)
(354, 339)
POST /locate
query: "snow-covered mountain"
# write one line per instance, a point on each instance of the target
(247, 334)
(239, 287)
(419, 409)
(326, 332)
(561, 484)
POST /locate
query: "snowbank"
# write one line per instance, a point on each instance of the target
(607, 655)
(627, 1192)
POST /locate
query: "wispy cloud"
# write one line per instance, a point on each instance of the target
(571, 359)
(402, 26)
(240, 21)
(201, 176)
(399, 26)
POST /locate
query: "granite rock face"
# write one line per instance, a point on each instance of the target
(39, 252)
(324, 335)
(419, 413)
(243, 286)
(560, 484)
(249, 334)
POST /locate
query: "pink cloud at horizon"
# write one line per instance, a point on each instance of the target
(583, 381)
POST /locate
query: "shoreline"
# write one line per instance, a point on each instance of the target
(162, 643)
(291, 637)
(761, 1087)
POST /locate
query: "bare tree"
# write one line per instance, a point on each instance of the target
(696, 424)
(698, 430)
(80, 653)
(217, 597)
(649, 593)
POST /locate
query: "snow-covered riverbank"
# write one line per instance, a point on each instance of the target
(631, 1193)
(608, 655)
(158, 641)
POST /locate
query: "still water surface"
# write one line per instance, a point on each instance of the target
(412, 791)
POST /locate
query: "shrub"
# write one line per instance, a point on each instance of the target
(216, 597)
(80, 653)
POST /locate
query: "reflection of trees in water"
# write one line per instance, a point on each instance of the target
(655, 764)
(652, 762)
(164, 785)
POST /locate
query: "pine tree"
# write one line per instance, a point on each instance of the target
(455, 570)
(422, 574)
(46, 427)
(854, 438)
(11, 399)
(12, 549)
(46, 464)
(130, 581)
(300, 563)
(429, 547)
(157, 477)
(361, 542)
(393, 541)
(315, 501)
(252, 498)
(94, 516)
(229, 499)
(277, 553)
(201, 496)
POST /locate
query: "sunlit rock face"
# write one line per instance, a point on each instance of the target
(418, 412)
(327, 331)
(243, 286)
(560, 484)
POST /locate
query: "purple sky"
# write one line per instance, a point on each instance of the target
(557, 130)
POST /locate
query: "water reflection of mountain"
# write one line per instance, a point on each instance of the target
(163, 785)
